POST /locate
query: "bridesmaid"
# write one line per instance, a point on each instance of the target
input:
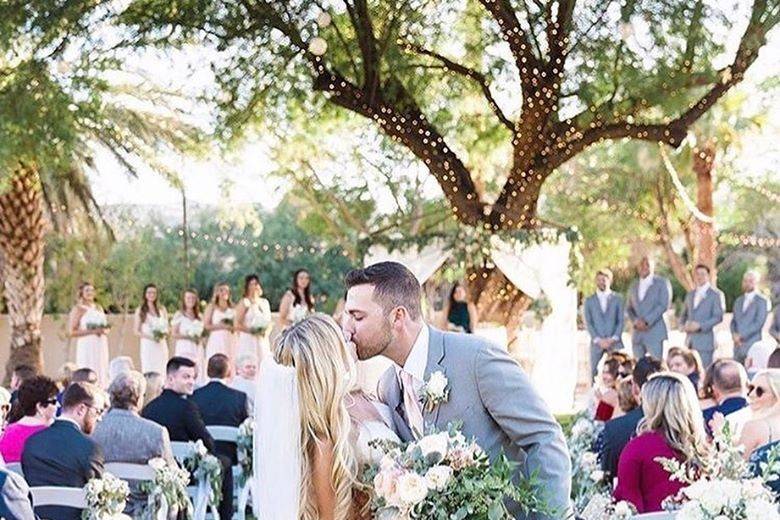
(297, 301)
(219, 319)
(253, 307)
(91, 339)
(154, 352)
(186, 323)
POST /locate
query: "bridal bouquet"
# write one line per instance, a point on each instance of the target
(258, 324)
(206, 467)
(229, 318)
(106, 498)
(725, 487)
(192, 329)
(95, 320)
(299, 313)
(168, 489)
(159, 328)
(245, 447)
(443, 476)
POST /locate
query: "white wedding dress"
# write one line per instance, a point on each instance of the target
(371, 431)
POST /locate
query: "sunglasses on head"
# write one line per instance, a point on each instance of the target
(758, 390)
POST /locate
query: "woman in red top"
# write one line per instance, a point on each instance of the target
(606, 393)
(33, 412)
(673, 427)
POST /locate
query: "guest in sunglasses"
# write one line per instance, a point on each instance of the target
(37, 405)
(764, 397)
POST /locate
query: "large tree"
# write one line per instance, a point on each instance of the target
(552, 77)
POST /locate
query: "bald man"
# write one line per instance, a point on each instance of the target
(729, 388)
(748, 316)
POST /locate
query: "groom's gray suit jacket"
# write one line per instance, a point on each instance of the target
(497, 405)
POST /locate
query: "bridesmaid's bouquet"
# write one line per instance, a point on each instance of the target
(258, 324)
(106, 498)
(299, 313)
(443, 476)
(159, 328)
(95, 320)
(192, 329)
(229, 318)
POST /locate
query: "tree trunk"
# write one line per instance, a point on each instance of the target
(703, 167)
(22, 231)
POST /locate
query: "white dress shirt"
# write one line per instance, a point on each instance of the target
(603, 297)
(644, 285)
(417, 361)
(748, 300)
(701, 292)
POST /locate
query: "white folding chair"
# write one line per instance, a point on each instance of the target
(16, 467)
(240, 495)
(199, 493)
(223, 433)
(59, 496)
(127, 471)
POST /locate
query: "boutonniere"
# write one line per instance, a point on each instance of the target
(435, 391)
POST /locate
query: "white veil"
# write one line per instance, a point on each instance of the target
(277, 444)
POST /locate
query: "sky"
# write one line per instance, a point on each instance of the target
(248, 170)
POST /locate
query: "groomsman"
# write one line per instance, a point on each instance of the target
(748, 316)
(648, 299)
(604, 319)
(774, 329)
(703, 310)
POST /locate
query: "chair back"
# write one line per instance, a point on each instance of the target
(223, 433)
(182, 450)
(16, 467)
(127, 471)
(59, 496)
(660, 515)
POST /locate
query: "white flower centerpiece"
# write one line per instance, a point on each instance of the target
(159, 328)
(441, 476)
(205, 466)
(106, 498)
(168, 490)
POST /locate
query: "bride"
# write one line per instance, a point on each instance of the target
(313, 427)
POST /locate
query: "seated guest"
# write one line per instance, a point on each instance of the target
(762, 433)
(706, 395)
(671, 428)
(124, 436)
(64, 374)
(82, 375)
(183, 420)
(38, 403)
(729, 388)
(15, 499)
(686, 362)
(605, 393)
(19, 375)
(626, 399)
(119, 365)
(245, 380)
(758, 356)
(154, 386)
(219, 404)
(63, 454)
(618, 432)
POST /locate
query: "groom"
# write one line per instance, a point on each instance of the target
(488, 391)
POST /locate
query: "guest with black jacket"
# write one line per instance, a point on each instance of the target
(63, 454)
(619, 431)
(219, 404)
(184, 422)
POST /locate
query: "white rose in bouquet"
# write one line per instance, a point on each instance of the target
(438, 477)
(411, 488)
(435, 443)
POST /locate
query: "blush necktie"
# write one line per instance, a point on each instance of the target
(414, 416)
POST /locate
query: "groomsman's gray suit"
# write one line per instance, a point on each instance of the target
(125, 436)
(651, 308)
(494, 400)
(604, 325)
(707, 314)
(774, 329)
(748, 323)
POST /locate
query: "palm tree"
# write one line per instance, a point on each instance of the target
(53, 117)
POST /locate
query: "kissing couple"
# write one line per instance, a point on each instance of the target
(314, 426)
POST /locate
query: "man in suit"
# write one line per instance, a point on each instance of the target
(648, 299)
(183, 420)
(246, 379)
(774, 328)
(219, 404)
(124, 436)
(604, 318)
(618, 432)
(489, 393)
(729, 388)
(63, 454)
(703, 309)
(748, 316)
(15, 498)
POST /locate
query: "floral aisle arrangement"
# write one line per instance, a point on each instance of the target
(245, 447)
(601, 506)
(159, 327)
(106, 498)
(588, 479)
(206, 467)
(444, 476)
(168, 489)
(725, 488)
(193, 329)
(541, 307)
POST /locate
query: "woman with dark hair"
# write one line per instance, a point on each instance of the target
(87, 323)
(297, 302)
(151, 325)
(460, 313)
(188, 331)
(253, 320)
(33, 411)
(219, 320)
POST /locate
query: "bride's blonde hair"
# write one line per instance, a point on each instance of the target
(324, 369)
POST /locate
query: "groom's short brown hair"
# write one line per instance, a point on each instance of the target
(394, 286)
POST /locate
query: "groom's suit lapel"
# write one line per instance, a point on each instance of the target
(435, 356)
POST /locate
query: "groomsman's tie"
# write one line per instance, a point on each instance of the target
(412, 405)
